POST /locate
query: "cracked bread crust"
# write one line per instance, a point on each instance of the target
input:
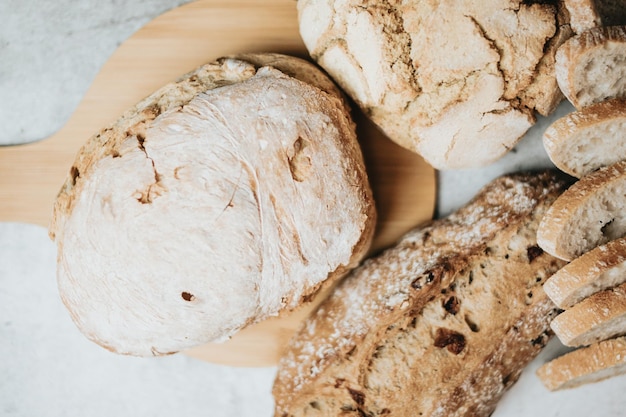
(441, 77)
(226, 197)
(453, 312)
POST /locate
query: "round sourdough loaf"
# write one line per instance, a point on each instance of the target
(455, 80)
(224, 198)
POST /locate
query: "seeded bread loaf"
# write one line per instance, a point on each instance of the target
(599, 269)
(600, 316)
(455, 80)
(222, 199)
(585, 140)
(593, 363)
(441, 324)
(590, 66)
(590, 213)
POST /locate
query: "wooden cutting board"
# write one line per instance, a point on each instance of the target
(171, 45)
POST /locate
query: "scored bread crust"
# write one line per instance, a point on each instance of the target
(408, 67)
(452, 313)
(590, 66)
(598, 317)
(588, 214)
(599, 269)
(587, 139)
(593, 363)
(229, 196)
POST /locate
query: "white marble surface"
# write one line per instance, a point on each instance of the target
(49, 54)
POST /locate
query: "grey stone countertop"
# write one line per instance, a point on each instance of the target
(49, 54)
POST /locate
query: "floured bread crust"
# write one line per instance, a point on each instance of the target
(445, 77)
(441, 324)
(218, 201)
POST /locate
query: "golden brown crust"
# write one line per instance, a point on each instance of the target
(453, 311)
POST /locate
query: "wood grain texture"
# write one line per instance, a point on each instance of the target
(169, 46)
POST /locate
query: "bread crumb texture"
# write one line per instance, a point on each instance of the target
(220, 200)
(455, 80)
(452, 313)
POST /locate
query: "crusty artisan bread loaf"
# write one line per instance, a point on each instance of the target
(441, 324)
(598, 317)
(222, 199)
(590, 213)
(590, 67)
(593, 363)
(587, 139)
(599, 269)
(454, 80)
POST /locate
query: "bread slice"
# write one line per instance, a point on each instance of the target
(590, 213)
(598, 317)
(441, 324)
(588, 139)
(591, 66)
(229, 196)
(593, 363)
(599, 269)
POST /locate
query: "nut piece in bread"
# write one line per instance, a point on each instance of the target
(441, 324)
(600, 316)
(455, 80)
(590, 213)
(591, 66)
(593, 363)
(587, 139)
(224, 198)
(599, 269)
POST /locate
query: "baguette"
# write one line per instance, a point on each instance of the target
(588, 139)
(599, 269)
(598, 317)
(586, 365)
(450, 315)
(229, 196)
(590, 66)
(590, 213)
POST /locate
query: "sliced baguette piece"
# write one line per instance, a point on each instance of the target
(600, 316)
(590, 67)
(599, 269)
(593, 363)
(590, 213)
(441, 324)
(588, 139)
